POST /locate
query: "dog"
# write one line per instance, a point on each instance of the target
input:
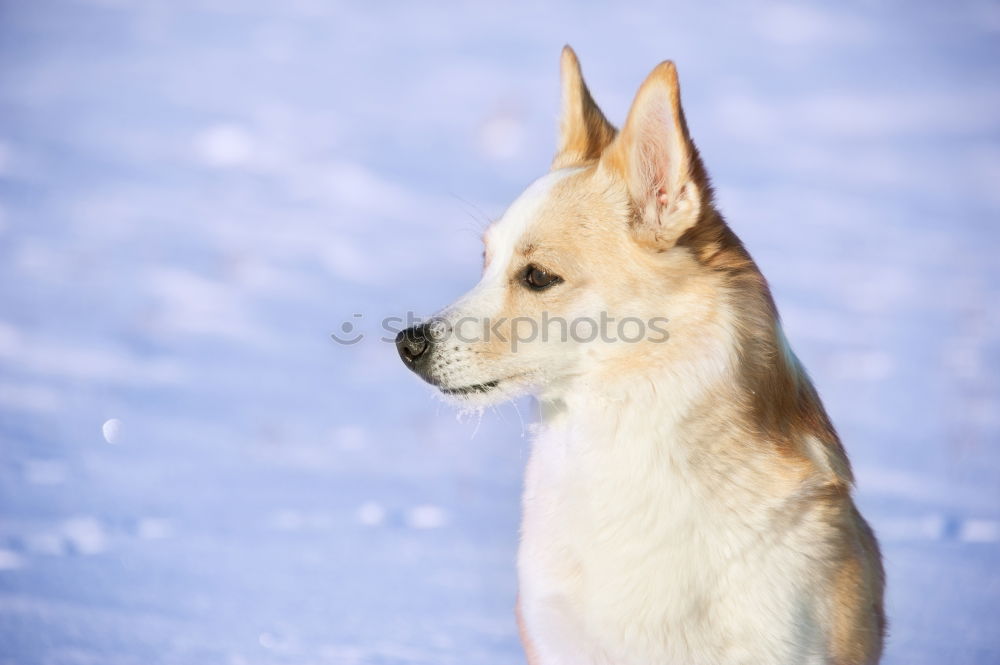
(687, 500)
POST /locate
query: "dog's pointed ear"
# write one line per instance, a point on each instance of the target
(584, 132)
(655, 158)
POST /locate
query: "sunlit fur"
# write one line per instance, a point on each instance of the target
(686, 501)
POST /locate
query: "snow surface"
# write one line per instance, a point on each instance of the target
(193, 196)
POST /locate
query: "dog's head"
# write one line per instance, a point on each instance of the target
(583, 270)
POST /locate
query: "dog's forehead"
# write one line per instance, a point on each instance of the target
(502, 236)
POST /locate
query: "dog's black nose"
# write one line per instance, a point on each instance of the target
(413, 343)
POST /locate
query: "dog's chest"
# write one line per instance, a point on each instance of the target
(627, 555)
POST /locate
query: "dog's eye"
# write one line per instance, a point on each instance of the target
(538, 279)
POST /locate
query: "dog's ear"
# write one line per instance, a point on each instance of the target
(655, 158)
(584, 132)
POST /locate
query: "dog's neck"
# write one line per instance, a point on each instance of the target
(743, 385)
(675, 386)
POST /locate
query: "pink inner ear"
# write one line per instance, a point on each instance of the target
(657, 148)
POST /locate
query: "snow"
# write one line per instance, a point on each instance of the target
(194, 196)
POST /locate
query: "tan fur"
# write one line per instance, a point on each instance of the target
(529, 647)
(711, 452)
(772, 402)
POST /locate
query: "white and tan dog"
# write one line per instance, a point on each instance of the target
(687, 500)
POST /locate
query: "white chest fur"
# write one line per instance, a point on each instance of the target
(635, 552)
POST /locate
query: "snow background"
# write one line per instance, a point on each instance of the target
(193, 196)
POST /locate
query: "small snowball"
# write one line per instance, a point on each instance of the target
(112, 430)
(85, 534)
(427, 517)
(980, 531)
(371, 513)
(152, 528)
(224, 145)
(10, 560)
